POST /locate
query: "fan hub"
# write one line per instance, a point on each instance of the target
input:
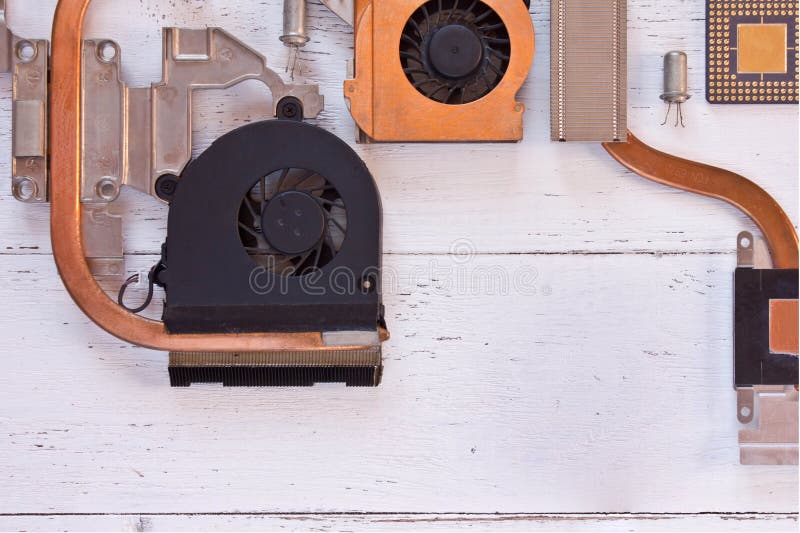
(293, 222)
(455, 51)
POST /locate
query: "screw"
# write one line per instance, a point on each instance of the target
(290, 108)
(166, 187)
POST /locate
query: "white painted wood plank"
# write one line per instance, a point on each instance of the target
(535, 196)
(605, 389)
(400, 522)
(597, 383)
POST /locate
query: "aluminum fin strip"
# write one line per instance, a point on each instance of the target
(367, 357)
(589, 70)
(355, 368)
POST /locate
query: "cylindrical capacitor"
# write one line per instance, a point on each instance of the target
(676, 78)
(294, 23)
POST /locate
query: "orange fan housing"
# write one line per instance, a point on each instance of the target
(388, 108)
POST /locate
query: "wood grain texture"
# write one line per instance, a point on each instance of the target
(535, 196)
(405, 522)
(564, 390)
(573, 356)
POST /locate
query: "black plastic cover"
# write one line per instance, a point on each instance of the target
(754, 364)
(209, 277)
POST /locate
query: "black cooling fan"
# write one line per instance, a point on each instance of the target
(455, 51)
(275, 228)
(293, 222)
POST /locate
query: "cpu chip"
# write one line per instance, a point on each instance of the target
(752, 52)
(761, 48)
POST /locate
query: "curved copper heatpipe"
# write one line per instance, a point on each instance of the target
(68, 248)
(737, 190)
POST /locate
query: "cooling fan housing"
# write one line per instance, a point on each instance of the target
(440, 70)
(217, 281)
(276, 228)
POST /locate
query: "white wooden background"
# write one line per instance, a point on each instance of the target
(599, 398)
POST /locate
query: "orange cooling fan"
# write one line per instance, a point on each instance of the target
(440, 70)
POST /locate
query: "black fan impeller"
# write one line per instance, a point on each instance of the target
(455, 51)
(293, 222)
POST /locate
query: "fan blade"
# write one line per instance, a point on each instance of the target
(494, 69)
(412, 42)
(323, 188)
(491, 27)
(427, 16)
(452, 10)
(249, 230)
(248, 203)
(329, 202)
(441, 86)
(318, 255)
(411, 57)
(483, 17)
(420, 83)
(302, 261)
(337, 224)
(451, 93)
(283, 177)
(414, 70)
(416, 27)
(470, 9)
(498, 54)
(308, 177)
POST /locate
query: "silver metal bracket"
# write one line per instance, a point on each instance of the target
(745, 250)
(771, 437)
(28, 60)
(5, 40)
(344, 9)
(131, 136)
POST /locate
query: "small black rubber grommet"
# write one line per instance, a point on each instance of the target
(290, 108)
(167, 186)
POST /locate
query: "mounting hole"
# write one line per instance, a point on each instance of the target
(368, 284)
(25, 190)
(107, 189)
(745, 412)
(745, 242)
(107, 51)
(26, 51)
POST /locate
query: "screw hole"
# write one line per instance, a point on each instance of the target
(25, 190)
(368, 284)
(745, 242)
(26, 51)
(745, 412)
(107, 189)
(107, 51)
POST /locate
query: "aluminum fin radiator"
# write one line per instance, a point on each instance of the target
(589, 70)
